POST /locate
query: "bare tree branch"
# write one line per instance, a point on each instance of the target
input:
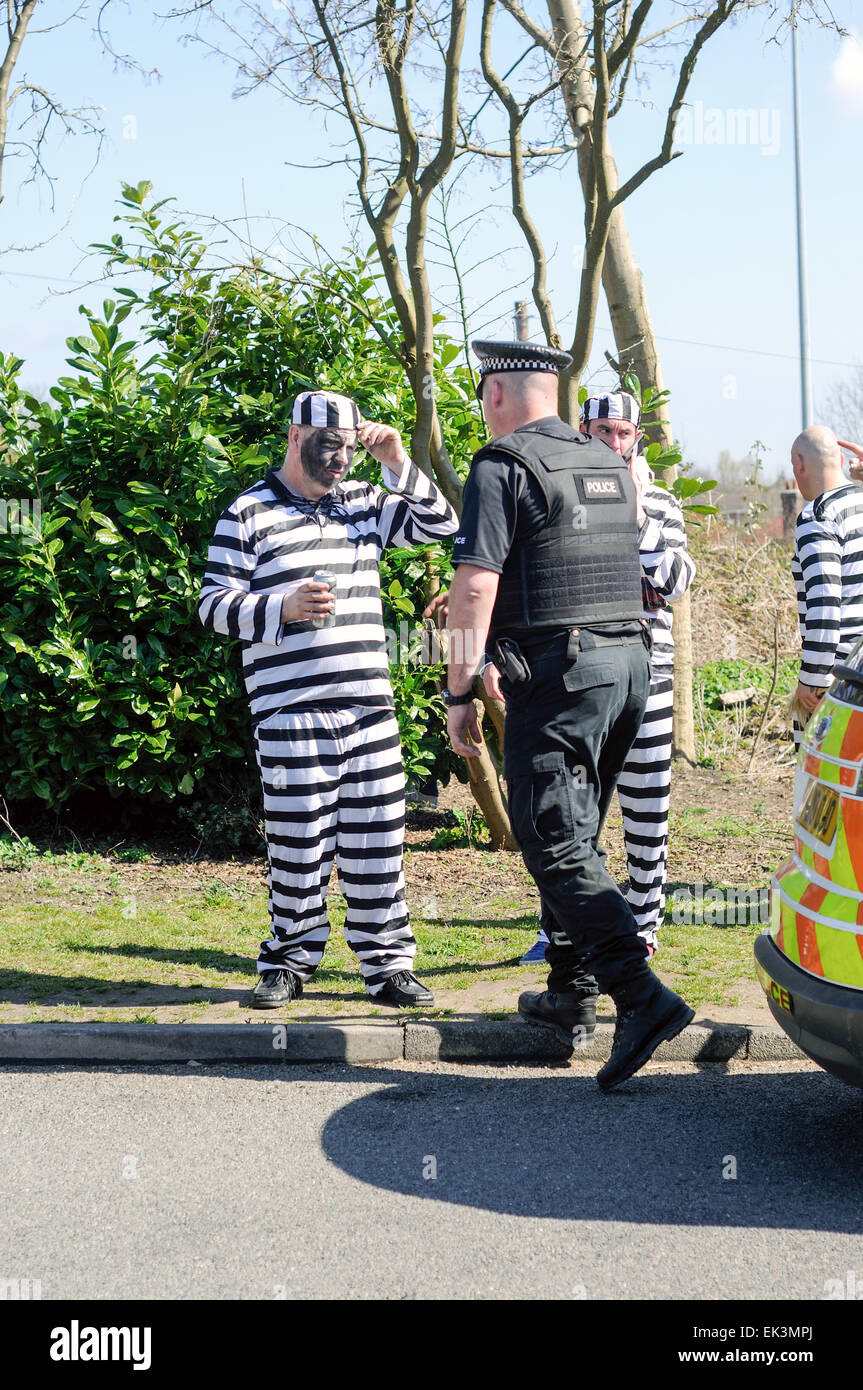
(46, 110)
(516, 115)
(122, 61)
(383, 222)
(627, 37)
(18, 18)
(722, 12)
(543, 38)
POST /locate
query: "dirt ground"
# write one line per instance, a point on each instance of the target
(758, 808)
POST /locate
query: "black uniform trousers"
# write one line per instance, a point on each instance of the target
(569, 727)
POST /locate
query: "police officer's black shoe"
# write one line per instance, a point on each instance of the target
(404, 990)
(276, 987)
(647, 1014)
(572, 1017)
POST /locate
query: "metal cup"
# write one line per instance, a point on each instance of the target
(325, 577)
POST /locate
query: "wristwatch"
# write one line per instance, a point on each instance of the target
(450, 699)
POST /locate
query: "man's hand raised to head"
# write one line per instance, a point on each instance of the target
(383, 443)
(855, 464)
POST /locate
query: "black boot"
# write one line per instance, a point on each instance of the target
(404, 990)
(276, 987)
(572, 1017)
(647, 1013)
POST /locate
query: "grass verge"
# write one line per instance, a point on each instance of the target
(190, 957)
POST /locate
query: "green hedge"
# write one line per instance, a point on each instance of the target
(180, 398)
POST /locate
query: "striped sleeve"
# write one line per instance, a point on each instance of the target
(413, 511)
(819, 561)
(227, 604)
(662, 546)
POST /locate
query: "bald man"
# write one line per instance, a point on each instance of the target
(828, 561)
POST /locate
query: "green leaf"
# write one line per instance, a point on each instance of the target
(632, 384)
(688, 487)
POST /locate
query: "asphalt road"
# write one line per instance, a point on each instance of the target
(430, 1181)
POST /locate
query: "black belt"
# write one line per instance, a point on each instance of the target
(603, 640)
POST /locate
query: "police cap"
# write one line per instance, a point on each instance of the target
(517, 357)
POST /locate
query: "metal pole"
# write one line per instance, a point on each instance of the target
(802, 298)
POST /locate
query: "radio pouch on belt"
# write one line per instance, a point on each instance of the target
(511, 661)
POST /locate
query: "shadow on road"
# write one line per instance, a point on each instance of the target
(655, 1151)
(779, 1151)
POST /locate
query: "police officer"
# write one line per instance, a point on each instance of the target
(549, 578)
(644, 785)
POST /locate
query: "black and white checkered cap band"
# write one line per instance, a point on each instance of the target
(515, 364)
(617, 405)
(325, 409)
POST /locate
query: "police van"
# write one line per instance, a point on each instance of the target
(810, 960)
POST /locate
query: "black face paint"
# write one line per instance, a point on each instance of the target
(321, 453)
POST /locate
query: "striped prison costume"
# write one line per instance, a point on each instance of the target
(828, 576)
(326, 735)
(644, 785)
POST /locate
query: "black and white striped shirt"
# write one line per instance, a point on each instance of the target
(828, 576)
(269, 541)
(668, 571)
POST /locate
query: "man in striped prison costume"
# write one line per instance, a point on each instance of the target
(827, 564)
(326, 735)
(644, 785)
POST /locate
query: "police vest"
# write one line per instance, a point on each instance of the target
(583, 565)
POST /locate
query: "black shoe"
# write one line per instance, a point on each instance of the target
(404, 990)
(647, 1013)
(571, 1016)
(276, 987)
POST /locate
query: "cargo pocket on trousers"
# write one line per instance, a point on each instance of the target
(540, 808)
(586, 673)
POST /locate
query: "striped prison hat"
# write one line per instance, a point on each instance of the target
(325, 410)
(517, 357)
(617, 405)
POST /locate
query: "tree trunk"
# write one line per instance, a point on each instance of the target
(637, 352)
(630, 316)
(482, 773)
(485, 787)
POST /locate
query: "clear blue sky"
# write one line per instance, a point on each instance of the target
(714, 232)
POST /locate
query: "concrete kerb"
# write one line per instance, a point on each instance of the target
(361, 1040)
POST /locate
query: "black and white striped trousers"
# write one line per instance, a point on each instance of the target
(644, 789)
(333, 787)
